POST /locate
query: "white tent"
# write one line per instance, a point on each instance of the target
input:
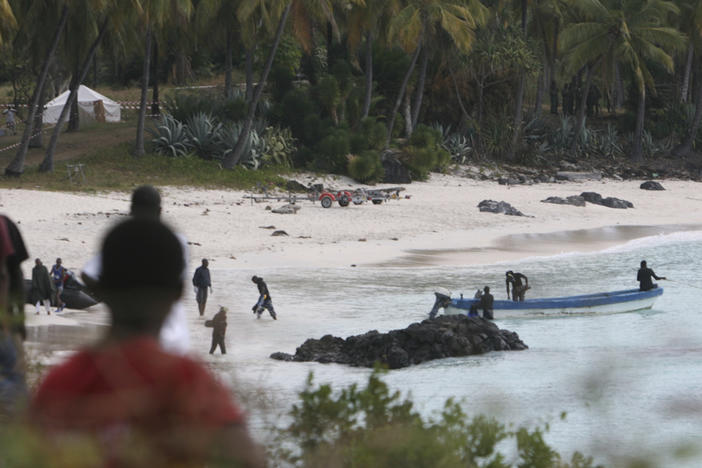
(92, 106)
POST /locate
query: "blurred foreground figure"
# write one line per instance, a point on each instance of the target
(174, 334)
(13, 388)
(141, 405)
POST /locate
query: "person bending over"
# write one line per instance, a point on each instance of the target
(520, 284)
(644, 277)
(138, 404)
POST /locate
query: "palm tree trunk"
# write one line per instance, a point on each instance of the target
(369, 76)
(228, 65)
(688, 72)
(685, 146)
(637, 149)
(154, 87)
(47, 164)
(407, 113)
(144, 89)
(249, 74)
(74, 117)
(401, 93)
(517, 121)
(582, 108)
(419, 92)
(16, 166)
(37, 140)
(233, 158)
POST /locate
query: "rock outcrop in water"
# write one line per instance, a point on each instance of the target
(442, 337)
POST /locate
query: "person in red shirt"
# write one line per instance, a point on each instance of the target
(126, 391)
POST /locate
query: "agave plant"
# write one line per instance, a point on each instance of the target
(560, 140)
(610, 145)
(170, 137)
(458, 147)
(204, 133)
(228, 138)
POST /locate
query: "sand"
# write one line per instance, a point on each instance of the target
(439, 224)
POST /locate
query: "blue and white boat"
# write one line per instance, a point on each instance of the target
(627, 300)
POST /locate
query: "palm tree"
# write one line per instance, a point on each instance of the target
(694, 18)
(419, 25)
(153, 14)
(630, 32)
(16, 166)
(302, 19)
(366, 22)
(47, 164)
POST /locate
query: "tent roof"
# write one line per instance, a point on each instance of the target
(85, 94)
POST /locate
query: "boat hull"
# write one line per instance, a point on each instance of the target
(600, 303)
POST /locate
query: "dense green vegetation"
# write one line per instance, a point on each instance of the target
(330, 84)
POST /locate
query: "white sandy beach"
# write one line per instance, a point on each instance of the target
(439, 224)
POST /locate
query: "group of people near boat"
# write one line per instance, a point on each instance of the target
(517, 285)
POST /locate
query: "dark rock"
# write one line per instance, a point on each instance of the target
(283, 356)
(592, 197)
(575, 200)
(499, 207)
(651, 185)
(279, 233)
(444, 336)
(610, 202)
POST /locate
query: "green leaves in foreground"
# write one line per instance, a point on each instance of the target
(374, 427)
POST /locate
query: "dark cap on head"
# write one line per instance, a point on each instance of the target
(255, 278)
(643, 263)
(146, 202)
(141, 254)
(486, 289)
(509, 272)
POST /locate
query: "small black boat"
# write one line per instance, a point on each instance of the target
(74, 294)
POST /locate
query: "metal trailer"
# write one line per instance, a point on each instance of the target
(327, 197)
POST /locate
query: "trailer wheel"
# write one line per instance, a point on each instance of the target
(377, 202)
(344, 200)
(326, 201)
(357, 201)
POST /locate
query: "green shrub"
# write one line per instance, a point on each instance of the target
(424, 152)
(277, 147)
(367, 167)
(184, 105)
(294, 110)
(332, 152)
(373, 427)
(329, 96)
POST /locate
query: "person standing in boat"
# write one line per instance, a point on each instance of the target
(520, 284)
(644, 277)
(486, 301)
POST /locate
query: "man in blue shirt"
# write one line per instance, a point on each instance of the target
(58, 276)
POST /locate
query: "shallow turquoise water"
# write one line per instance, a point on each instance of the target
(630, 384)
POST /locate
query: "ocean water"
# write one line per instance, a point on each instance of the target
(629, 384)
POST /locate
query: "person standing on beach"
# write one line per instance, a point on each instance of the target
(146, 204)
(644, 277)
(58, 276)
(219, 330)
(126, 391)
(41, 286)
(264, 299)
(201, 281)
(518, 287)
